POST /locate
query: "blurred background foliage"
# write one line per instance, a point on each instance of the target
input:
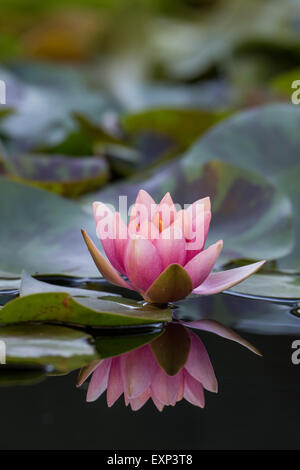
(103, 90)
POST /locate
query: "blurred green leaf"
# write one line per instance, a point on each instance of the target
(164, 132)
(61, 174)
(282, 84)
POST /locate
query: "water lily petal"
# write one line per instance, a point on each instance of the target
(159, 405)
(165, 213)
(204, 202)
(183, 221)
(143, 209)
(115, 382)
(86, 371)
(98, 383)
(223, 280)
(138, 402)
(142, 263)
(200, 226)
(165, 388)
(201, 265)
(215, 327)
(138, 368)
(120, 241)
(105, 268)
(193, 391)
(106, 230)
(198, 364)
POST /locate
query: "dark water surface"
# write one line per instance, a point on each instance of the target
(257, 407)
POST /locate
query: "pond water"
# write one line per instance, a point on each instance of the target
(257, 405)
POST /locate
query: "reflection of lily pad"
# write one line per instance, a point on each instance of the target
(63, 348)
(40, 232)
(61, 307)
(109, 346)
(68, 176)
(43, 111)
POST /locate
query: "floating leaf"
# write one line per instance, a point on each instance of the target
(29, 285)
(44, 98)
(172, 348)
(63, 348)
(282, 84)
(41, 232)
(68, 176)
(61, 307)
(265, 140)
(270, 285)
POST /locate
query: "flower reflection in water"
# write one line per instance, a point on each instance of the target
(172, 367)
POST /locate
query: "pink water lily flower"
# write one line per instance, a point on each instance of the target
(138, 376)
(162, 251)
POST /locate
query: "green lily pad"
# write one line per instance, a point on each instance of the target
(270, 285)
(65, 175)
(172, 348)
(41, 233)
(61, 307)
(265, 140)
(163, 132)
(252, 217)
(28, 285)
(63, 348)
